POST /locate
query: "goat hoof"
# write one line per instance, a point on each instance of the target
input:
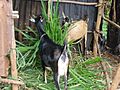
(46, 82)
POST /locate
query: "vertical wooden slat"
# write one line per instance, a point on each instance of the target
(32, 11)
(31, 3)
(80, 11)
(13, 45)
(72, 9)
(4, 39)
(76, 15)
(37, 8)
(61, 11)
(21, 17)
(67, 9)
(16, 8)
(27, 15)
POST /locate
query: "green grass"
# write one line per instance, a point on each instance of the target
(81, 77)
(52, 25)
(28, 49)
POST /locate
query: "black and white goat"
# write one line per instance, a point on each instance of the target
(53, 56)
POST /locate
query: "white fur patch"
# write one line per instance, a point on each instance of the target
(63, 64)
(32, 20)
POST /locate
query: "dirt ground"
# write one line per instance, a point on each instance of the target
(114, 64)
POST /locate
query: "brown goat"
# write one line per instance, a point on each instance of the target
(78, 30)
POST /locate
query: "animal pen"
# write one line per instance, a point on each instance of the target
(75, 9)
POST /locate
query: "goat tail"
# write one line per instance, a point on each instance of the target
(64, 47)
(65, 43)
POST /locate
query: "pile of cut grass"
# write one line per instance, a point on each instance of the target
(83, 76)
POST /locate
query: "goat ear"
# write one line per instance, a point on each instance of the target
(32, 20)
(41, 18)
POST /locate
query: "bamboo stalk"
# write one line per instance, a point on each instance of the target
(96, 50)
(74, 2)
(111, 22)
(99, 16)
(13, 46)
(11, 81)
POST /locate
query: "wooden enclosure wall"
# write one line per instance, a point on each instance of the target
(4, 39)
(28, 8)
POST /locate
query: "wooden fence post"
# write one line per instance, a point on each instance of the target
(97, 30)
(11, 16)
(4, 40)
(7, 39)
(96, 50)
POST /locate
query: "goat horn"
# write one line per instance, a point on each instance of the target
(63, 14)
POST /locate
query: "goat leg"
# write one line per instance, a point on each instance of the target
(82, 46)
(65, 80)
(56, 80)
(44, 73)
(86, 44)
(45, 76)
(66, 77)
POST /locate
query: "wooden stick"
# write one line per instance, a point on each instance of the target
(96, 50)
(111, 22)
(104, 68)
(106, 74)
(11, 81)
(99, 16)
(13, 45)
(116, 80)
(74, 2)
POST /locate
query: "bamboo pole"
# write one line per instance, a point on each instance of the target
(11, 81)
(13, 46)
(4, 40)
(74, 2)
(99, 16)
(96, 50)
(111, 22)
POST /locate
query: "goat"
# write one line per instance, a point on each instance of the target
(53, 56)
(77, 30)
